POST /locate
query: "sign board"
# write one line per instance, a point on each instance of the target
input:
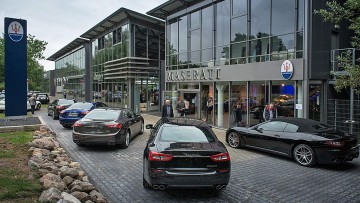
(298, 106)
(15, 36)
(287, 70)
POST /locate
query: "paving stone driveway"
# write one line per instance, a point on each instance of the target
(255, 176)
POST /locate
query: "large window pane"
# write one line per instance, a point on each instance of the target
(125, 41)
(223, 23)
(222, 55)
(238, 29)
(259, 50)
(282, 95)
(300, 24)
(283, 15)
(195, 56)
(206, 55)
(154, 46)
(207, 27)
(238, 52)
(140, 41)
(239, 7)
(260, 18)
(183, 34)
(173, 36)
(195, 19)
(195, 40)
(282, 47)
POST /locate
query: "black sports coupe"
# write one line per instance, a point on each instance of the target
(184, 152)
(307, 141)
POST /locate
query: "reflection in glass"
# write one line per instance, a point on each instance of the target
(140, 41)
(257, 101)
(300, 17)
(222, 55)
(299, 44)
(153, 48)
(223, 23)
(259, 50)
(173, 36)
(207, 102)
(238, 29)
(206, 27)
(125, 41)
(283, 15)
(183, 34)
(314, 102)
(238, 53)
(195, 19)
(260, 18)
(282, 47)
(195, 40)
(239, 7)
(206, 56)
(238, 97)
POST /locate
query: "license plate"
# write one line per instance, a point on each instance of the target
(73, 114)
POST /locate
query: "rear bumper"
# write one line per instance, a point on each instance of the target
(68, 121)
(335, 156)
(98, 139)
(198, 179)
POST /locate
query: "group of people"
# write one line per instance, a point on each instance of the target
(182, 107)
(269, 112)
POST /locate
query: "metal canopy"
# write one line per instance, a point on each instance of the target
(105, 25)
(170, 7)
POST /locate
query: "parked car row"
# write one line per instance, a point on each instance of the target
(28, 106)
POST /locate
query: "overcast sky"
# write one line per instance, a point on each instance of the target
(58, 22)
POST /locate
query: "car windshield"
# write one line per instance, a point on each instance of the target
(103, 115)
(174, 133)
(65, 102)
(86, 106)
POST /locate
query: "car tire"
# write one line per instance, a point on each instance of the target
(49, 114)
(145, 183)
(234, 140)
(54, 116)
(304, 155)
(142, 129)
(66, 126)
(127, 140)
(38, 107)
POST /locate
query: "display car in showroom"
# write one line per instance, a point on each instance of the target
(57, 106)
(182, 152)
(307, 141)
(108, 126)
(77, 111)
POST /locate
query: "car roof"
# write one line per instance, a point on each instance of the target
(304, 124)
(184, 122)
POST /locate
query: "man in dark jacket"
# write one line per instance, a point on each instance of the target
(238, 115)
(167, 110)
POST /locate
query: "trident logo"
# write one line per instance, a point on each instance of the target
(15, 28)
(286, 67)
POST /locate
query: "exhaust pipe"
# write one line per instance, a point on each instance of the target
(155, 187)
(162, 187)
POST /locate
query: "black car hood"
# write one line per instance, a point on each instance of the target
(179, 146)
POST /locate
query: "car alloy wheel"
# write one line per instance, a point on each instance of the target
(38, 107)
(304, 155)
(234, 140)
(127, 140)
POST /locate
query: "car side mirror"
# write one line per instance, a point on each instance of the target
(260, 130)
(149, 126)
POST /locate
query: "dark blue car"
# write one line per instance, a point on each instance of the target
(77, 111)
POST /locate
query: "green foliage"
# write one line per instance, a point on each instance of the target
(35, 50)
(348, 11)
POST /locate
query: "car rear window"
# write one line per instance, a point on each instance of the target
(103, 115)
(65, 102)
(186, 134)
(86, 106)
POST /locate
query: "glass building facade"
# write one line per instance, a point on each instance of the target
(223, 53)
(120, 60)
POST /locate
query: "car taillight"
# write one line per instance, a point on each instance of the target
(60, 107)
(114, 125)
(156, 156)
(77, 124)
(335, 143)
(222, 157)
(84, 112)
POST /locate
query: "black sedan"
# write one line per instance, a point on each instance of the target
(108, 127)
(307, 141)
(184, 152)
(57, 106)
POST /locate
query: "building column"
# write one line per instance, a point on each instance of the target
(220, 107)
(88, 73)
(173, 95)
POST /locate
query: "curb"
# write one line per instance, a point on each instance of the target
(35, 127)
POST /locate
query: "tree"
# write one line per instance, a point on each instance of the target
(336, 13)
(35, 50)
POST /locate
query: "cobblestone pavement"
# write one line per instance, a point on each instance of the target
(255, 176)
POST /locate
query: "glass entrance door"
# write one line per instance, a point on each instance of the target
(193, 99)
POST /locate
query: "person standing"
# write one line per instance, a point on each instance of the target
(180, 107)
(64, 94)
(187, 108)
(270, 112)
(167, 110)
(32, 101)
(238, 115)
